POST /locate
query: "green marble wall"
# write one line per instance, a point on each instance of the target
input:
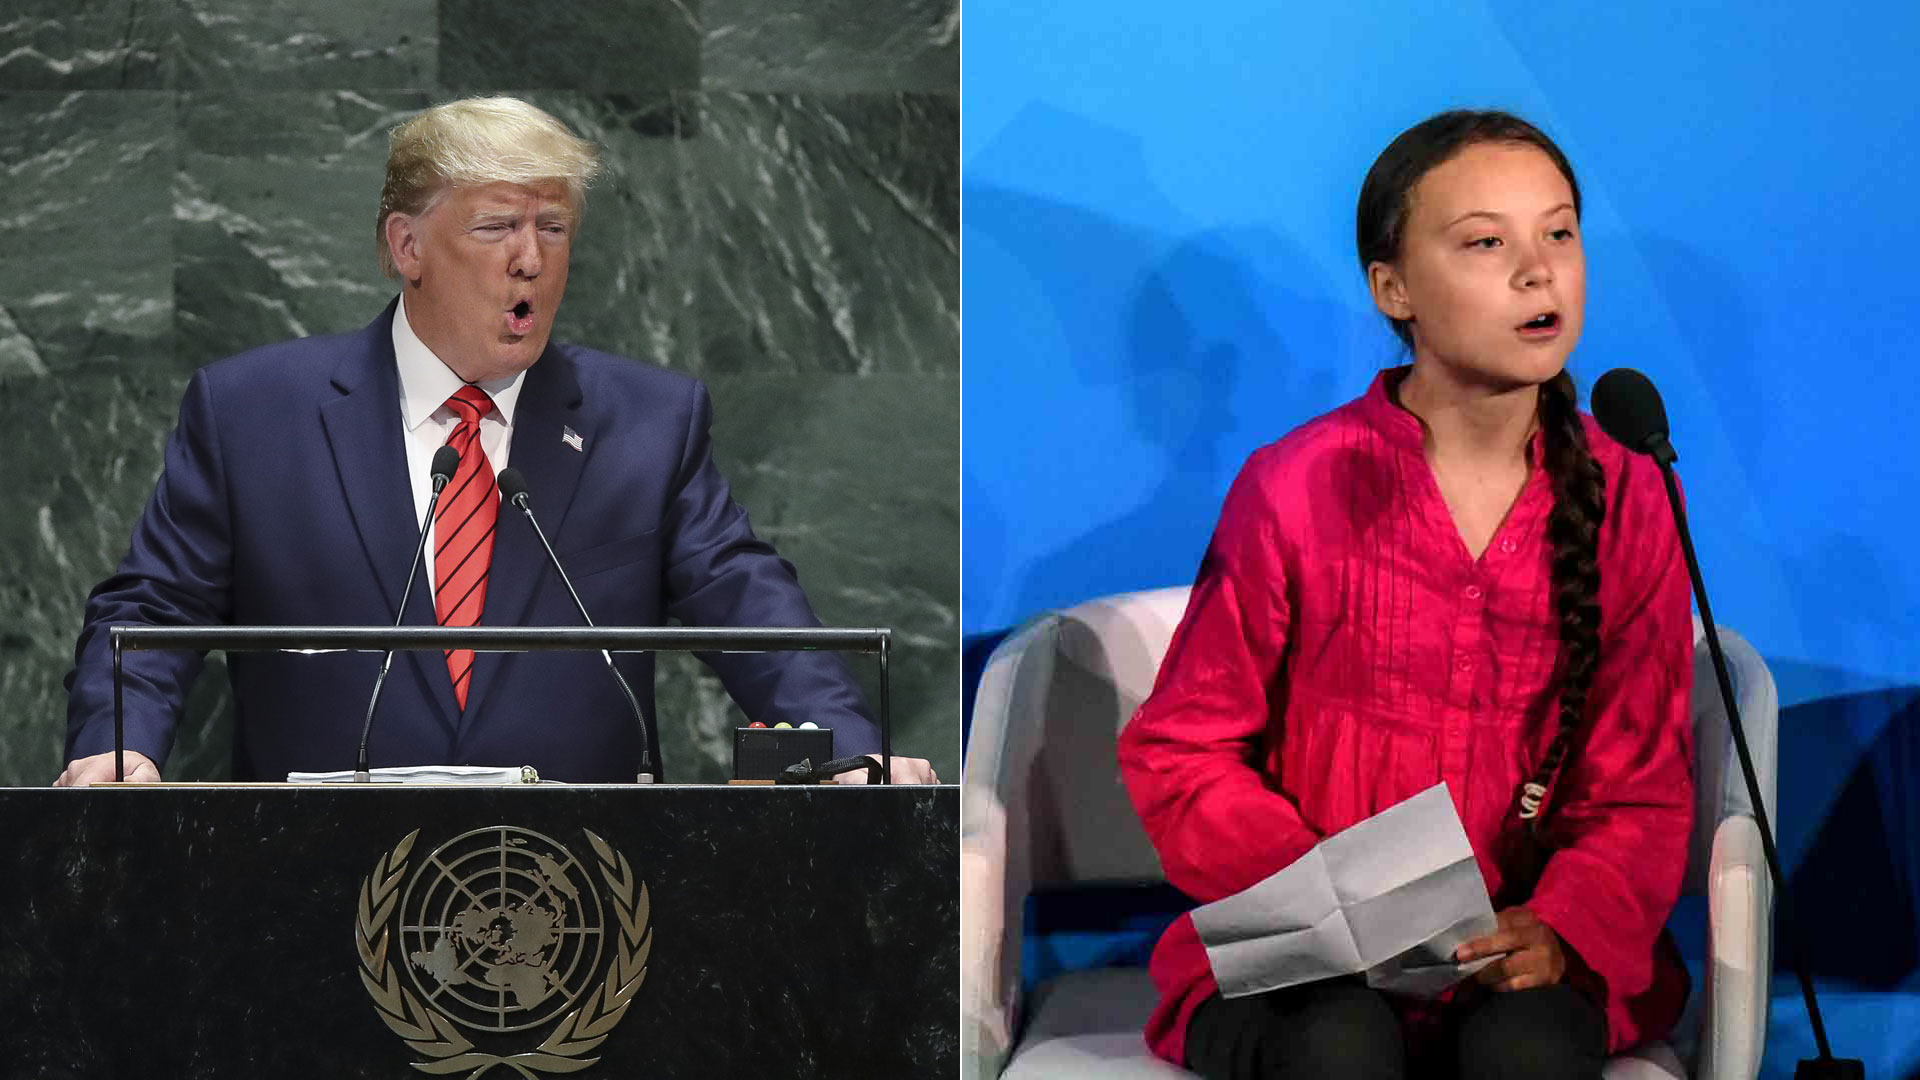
(780, 215)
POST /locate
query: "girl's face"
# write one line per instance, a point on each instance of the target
(1491, 270)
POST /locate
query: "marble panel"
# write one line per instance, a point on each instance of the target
(99, 45)
(831, 232)
(85, 448)
(274, 208)
(856, 481)
(85, 239)
(832, 45)
(615, 45)
(294, 44)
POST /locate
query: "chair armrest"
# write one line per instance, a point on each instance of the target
(1739, 953)
(988, 1005)
(995, 870)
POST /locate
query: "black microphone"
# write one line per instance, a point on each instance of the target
(446, 462)
(1630, 411)
(513, 489)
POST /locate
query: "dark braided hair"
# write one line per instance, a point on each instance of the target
(1579, 483)
(1579, 506)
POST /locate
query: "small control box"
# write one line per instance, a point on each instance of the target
(760, 753)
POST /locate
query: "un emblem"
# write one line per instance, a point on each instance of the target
(500, 931)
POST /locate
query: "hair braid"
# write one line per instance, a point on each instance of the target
(1579, 506)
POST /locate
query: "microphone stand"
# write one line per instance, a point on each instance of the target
(1826, 1066)
(519, 499)
(442, 476)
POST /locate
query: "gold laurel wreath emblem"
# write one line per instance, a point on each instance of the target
(433, 1035)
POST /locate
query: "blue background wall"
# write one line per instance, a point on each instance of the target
(1159, 276)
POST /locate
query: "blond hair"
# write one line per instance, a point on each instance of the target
(477, 141)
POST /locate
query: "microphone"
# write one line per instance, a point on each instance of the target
(513, 489)
(1630, 411)
(446, 462)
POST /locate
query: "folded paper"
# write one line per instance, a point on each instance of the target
(1391, 897)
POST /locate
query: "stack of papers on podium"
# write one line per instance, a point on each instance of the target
(472, 775)
(1391, 897)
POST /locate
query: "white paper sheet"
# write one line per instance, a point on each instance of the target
(1391, 897)
(470, 775)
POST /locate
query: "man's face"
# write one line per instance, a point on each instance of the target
(485, 268)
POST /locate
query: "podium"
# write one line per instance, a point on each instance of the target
(502, 932)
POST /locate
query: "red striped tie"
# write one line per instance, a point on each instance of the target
(463, 533)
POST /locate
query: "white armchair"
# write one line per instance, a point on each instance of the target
(1042, 806)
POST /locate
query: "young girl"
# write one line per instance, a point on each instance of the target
(1456, 577)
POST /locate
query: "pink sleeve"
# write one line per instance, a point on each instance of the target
(1190, 755)
(1623, 812)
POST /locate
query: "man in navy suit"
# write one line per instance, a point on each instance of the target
(297, 479)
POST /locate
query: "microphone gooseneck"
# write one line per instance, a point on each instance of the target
(513, 490)
(446, 462)
(1630, 411)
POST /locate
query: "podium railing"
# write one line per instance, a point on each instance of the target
(744, 639)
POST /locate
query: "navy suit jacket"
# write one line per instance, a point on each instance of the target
(284, 500)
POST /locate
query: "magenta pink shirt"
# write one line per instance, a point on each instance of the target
(1341, 652)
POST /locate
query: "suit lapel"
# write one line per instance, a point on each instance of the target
(549, 405)
(369, 452)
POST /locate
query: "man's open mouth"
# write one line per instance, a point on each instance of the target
(520, 317)
(1549, 321)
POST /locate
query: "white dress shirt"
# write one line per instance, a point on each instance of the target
(425, 385)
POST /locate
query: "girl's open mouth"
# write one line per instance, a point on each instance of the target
(1541, 326)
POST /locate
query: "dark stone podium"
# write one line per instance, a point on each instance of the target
(516, 932)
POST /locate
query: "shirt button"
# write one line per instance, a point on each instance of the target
(1473, 592)
(1507, 545)
(1465, 663)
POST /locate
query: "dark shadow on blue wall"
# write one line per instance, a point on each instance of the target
(1854, 902)
(1209, 323)
(1215, 341)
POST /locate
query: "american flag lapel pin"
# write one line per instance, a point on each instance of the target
(573, 440)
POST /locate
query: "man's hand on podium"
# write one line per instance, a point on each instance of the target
(906, 770)
(98, 769)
